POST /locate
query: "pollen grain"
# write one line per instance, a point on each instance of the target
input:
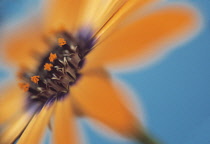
(48, 66)
(24, 86)
(35, 79)
(52, 57)
(61, 42)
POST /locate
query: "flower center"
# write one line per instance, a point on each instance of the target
(58, 70)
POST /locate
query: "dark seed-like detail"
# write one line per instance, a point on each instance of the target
(58, 70)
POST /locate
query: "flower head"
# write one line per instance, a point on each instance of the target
(70, 78)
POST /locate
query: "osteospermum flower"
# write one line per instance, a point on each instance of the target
(63, 55)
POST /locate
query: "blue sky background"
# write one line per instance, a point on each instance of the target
(175, 91)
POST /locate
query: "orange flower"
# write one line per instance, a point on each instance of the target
(90, 36)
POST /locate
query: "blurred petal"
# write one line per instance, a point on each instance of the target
(64, 131)
(12, 132)
(117, 15)
(146, 37)
(24, 43)
(105, 10)
(11, 102)
(62, 14)
(96, 96)
(89, 12)
(35, 130)
(97, 12)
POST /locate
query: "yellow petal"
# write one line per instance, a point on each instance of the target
(97, 12)
(24, 43)
(105, 10)
(59, 14)
(146, 37)
(10, 97)
(117, 14)
(97, 97)
(64, 131)
(11, 133)
(35, 130)
(90, 9)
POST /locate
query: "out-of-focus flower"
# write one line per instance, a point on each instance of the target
(63, 55)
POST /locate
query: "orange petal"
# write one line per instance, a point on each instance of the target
(61, 14)
(11, 101)
(115, 15)
(34, 131)
(97, 12)
(146, 37)
(105, 10)
(64, 126)
(14, 129)
(90, 9)
(24, 44)
(97, 97)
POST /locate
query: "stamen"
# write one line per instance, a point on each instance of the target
(48, 66)
(59, 69)
(24, 86)
(52, 57)
(61, 42)
(35, 79)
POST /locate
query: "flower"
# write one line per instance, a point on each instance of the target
(75, 41)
